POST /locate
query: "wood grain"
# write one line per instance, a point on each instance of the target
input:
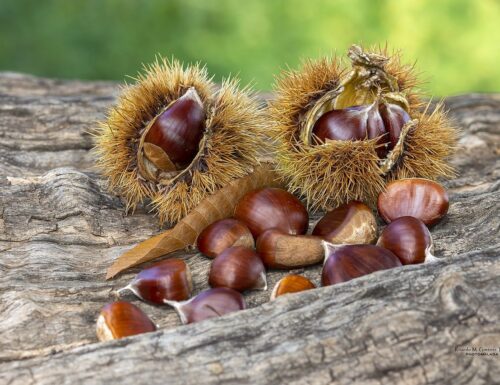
(60, 230)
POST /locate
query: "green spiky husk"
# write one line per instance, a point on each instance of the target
(232, 138)
(339, 171)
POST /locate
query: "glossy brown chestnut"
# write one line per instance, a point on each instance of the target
(343, 263)
(238, 268)
(409, 239)
(166, 280)
(122, 319)
(179, 129)
(394, 118)
(376, 120)
(415, 197)
(223, 234)
(269, 208)
(351, 223)
(284, 251)
(209, 304)
(291, 284)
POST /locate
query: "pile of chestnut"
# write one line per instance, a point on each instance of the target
(268, 231)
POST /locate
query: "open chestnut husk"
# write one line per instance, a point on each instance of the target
(415, 197)
(269, 208)
(209, 304)
(122, 319)
(409, 239)
(352, 223)
(291, 283)
(238, 268)
(284, 251)
(166, 280)
(343, 263)
(223, 234)
(343, 129)
(175, 137)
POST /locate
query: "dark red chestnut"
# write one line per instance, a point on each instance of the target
(352, 223)
(223, 234)
(394, 118)
(179, 129)
(376, 120)
(122, 319)
(209, 304)
(415, 197)
(409, 239)
(343, 263)
(166, 280)
(269, 208)
(238, 268)
(284, 251)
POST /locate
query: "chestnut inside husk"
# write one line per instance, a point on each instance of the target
(342, 133)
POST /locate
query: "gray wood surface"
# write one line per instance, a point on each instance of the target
(60, 230)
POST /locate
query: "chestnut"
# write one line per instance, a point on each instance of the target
(178, 130)
(223, 234)
(377, 120)
(122, 319)
(352, 223)
(166, 280)
(238, 268)
(394, 118)
(415, 197)
(268, 208)
(209, 304)
(291, 283)
(284, 251)
(343, 263)
(409, 239)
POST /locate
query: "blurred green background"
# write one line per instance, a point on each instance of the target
(456, 43)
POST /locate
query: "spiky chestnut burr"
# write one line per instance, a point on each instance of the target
(342, 133)
(175, 138)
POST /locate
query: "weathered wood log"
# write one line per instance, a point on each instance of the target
(60, 230)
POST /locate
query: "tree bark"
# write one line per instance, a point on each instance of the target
(60, 230)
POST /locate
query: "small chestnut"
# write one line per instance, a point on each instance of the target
(268, 208)
(238, 268)
(415, 197)
(122, 319)
(284, 251)
(291, 284)
(223, 234)
(351, 223)
(409, 239)
(209, 304)
(166, 280)
(343, 263)
(179, 129)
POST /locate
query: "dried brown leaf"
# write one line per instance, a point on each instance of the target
(217, 206)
